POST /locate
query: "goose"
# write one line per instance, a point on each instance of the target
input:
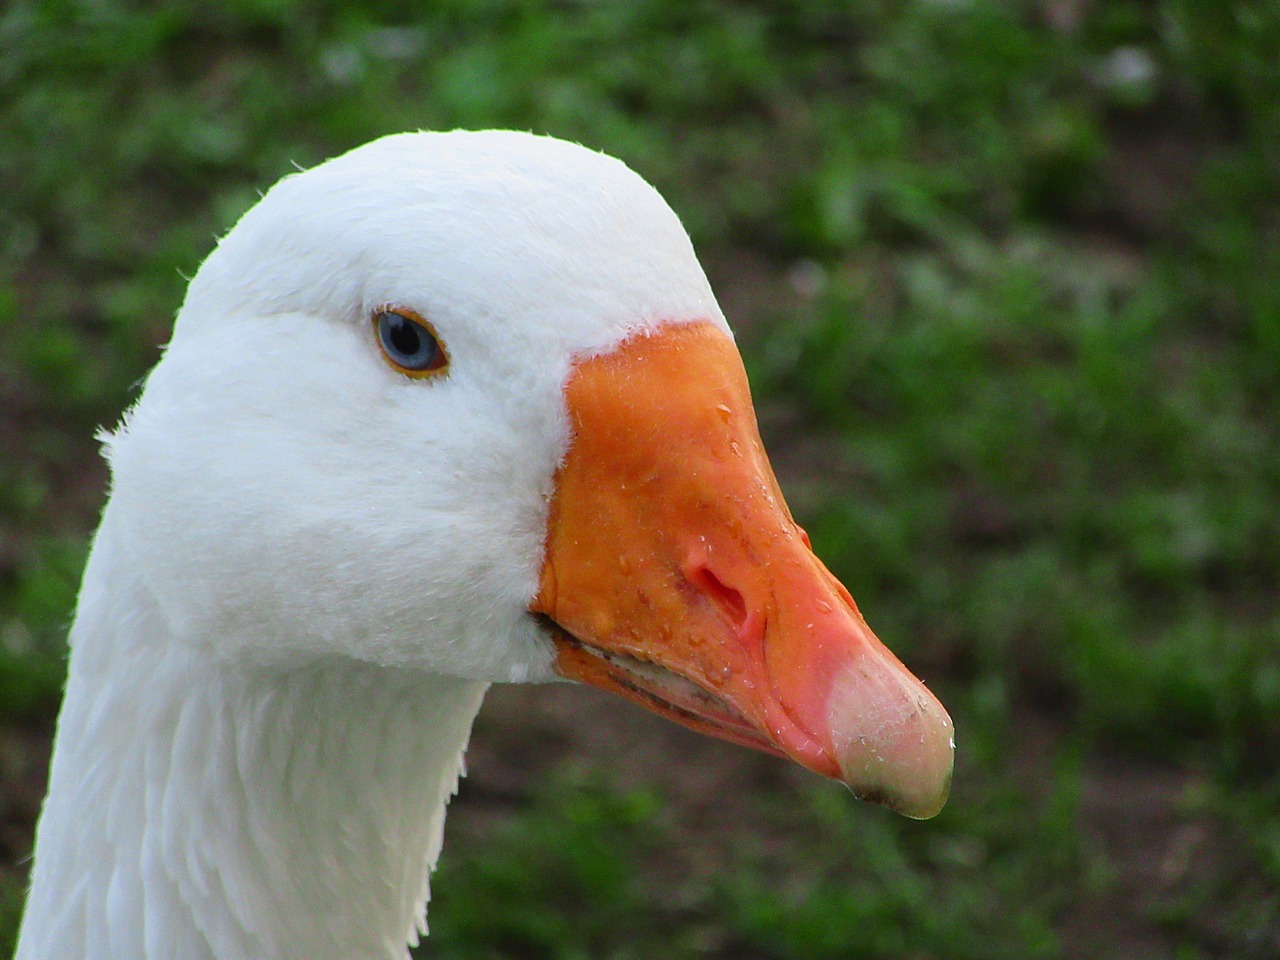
(448, 410)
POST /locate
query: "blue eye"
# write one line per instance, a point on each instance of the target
(409, 342)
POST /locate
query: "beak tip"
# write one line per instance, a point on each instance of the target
(922, 806)
(914, 788)
(898, 747)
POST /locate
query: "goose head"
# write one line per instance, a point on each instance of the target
(465, 404)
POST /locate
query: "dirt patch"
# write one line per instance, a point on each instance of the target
(526, 733)
(24, 772)
(1165, 848)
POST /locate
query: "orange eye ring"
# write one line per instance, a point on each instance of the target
(409, 342)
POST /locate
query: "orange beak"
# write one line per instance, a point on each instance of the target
(675, 576)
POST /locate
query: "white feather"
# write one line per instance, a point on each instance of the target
(311, 566)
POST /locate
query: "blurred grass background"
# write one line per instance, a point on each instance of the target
(1007, 280)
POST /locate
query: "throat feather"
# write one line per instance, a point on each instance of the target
(198, 812)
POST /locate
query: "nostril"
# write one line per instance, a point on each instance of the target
(728, 600)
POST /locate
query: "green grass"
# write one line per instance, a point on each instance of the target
(589, 869)
(565, 876)
(1017, 352)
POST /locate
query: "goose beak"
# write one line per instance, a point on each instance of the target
(675, 576)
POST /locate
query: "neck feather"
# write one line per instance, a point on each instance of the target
(200, 813)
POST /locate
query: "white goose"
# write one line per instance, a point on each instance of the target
(449, 410)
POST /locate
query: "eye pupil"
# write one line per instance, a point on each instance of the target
(407, 343)
(404, 337)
